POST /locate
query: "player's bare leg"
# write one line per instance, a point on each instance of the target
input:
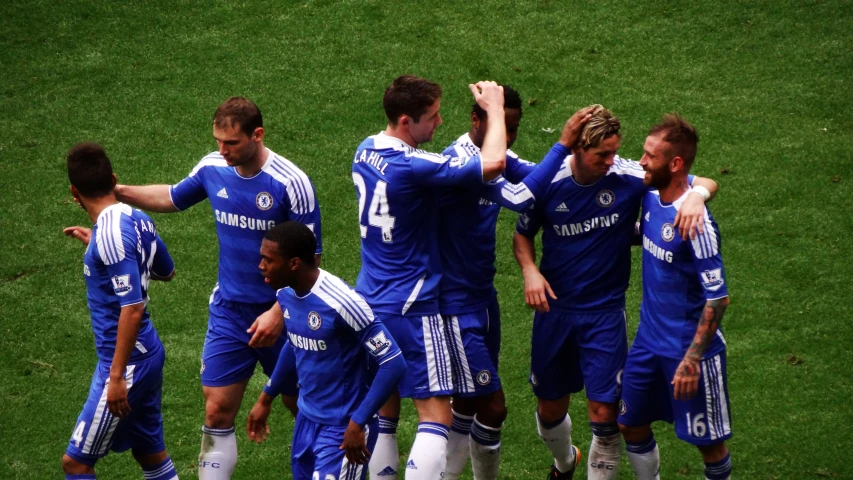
(218, 455)
(428, 457)
(718, 463)
(484, 417)
(73, 467)
(606, 446)
(156, 466)
(555, 430)
(385, 459)
(642, 451)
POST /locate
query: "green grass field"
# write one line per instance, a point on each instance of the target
(767, 84)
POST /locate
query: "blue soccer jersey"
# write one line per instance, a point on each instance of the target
(334, 336)
(117, 266)
(586, 236)
(245, 208)
(398, 218)
(678, 278)
(468, 218)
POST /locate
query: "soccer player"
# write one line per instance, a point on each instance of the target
(398, 216)
(579, 334)
(251, 189)
(468, 300)
(123, 253)
(676, 370)
(334, 335)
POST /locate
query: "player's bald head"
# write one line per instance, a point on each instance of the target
(90, 170)
(294, 240)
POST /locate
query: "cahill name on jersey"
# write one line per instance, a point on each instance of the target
(678, 278)
(334, 334)
(244, 209)
(398, 220)
(117, 266)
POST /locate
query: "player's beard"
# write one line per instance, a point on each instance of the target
(659, 178)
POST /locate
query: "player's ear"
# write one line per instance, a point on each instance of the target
(676, 164)
(475, 120)
(295, 263)
(115, 181)
(258, 135)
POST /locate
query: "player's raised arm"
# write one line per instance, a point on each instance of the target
(154, 198)
(490, 97)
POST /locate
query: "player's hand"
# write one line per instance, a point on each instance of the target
(266, 329)
(691, 216)
(574, 125)
(80, 233)
(117, 398)
(355, 444)
(256, 424)
(537, 290)
(488, 95)
(686, 380)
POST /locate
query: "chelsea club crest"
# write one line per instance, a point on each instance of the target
(667, 233)
(314, 321)
(264, 201)
(484, 377)
(605, 198)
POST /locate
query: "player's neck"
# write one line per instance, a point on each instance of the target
(472, 135)
(402, 134)
(94, 206)
(252, 168)
(580, 174)
(676, 188)
(306, 282)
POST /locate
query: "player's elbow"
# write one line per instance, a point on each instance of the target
(493, 167)
(163, 278)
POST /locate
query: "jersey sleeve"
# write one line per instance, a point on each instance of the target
(708, 261)
(440, 170)
(519, 197)
(190, 190)
(284, 380)
(306, 209)
(517, 168)
(163, 265)
(116, 244)
(378, 342)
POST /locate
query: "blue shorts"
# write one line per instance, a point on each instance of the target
(227, 357)
(423, 341)
(475, 344)
(316, 452)
(97, 431)
(647, 396)
(573, 351)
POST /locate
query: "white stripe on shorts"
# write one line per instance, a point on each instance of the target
(437, 355)
(462, 378)
(104, 423)
(717, 412)
(350, 471)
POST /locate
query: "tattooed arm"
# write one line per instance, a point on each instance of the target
(686, 380)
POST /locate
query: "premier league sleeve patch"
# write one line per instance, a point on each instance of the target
(121, 285)
(712, 280)
(378, 344)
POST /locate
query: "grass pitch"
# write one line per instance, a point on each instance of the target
(766, 83)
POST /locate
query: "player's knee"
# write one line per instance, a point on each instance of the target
(713, 453)
(219, 414)
(601, 412)
(493, 412)
(73, 467)
(552, 411)
(635, 434)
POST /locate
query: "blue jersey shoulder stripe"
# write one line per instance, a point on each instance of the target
(212, 159)
(109, 239)
(296, 183)
(352, 308)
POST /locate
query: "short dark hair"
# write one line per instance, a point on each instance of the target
(239, 110)
(409, 95)
(511, 100)
(295, 240)
(90, 170)
(680, 134)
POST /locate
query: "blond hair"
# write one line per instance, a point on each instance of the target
(601, 125)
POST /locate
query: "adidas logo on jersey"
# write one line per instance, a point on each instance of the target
(562, 208)
(411, 465)
(387, 472)
(647, 216)
(222, 193)
(286, 314)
